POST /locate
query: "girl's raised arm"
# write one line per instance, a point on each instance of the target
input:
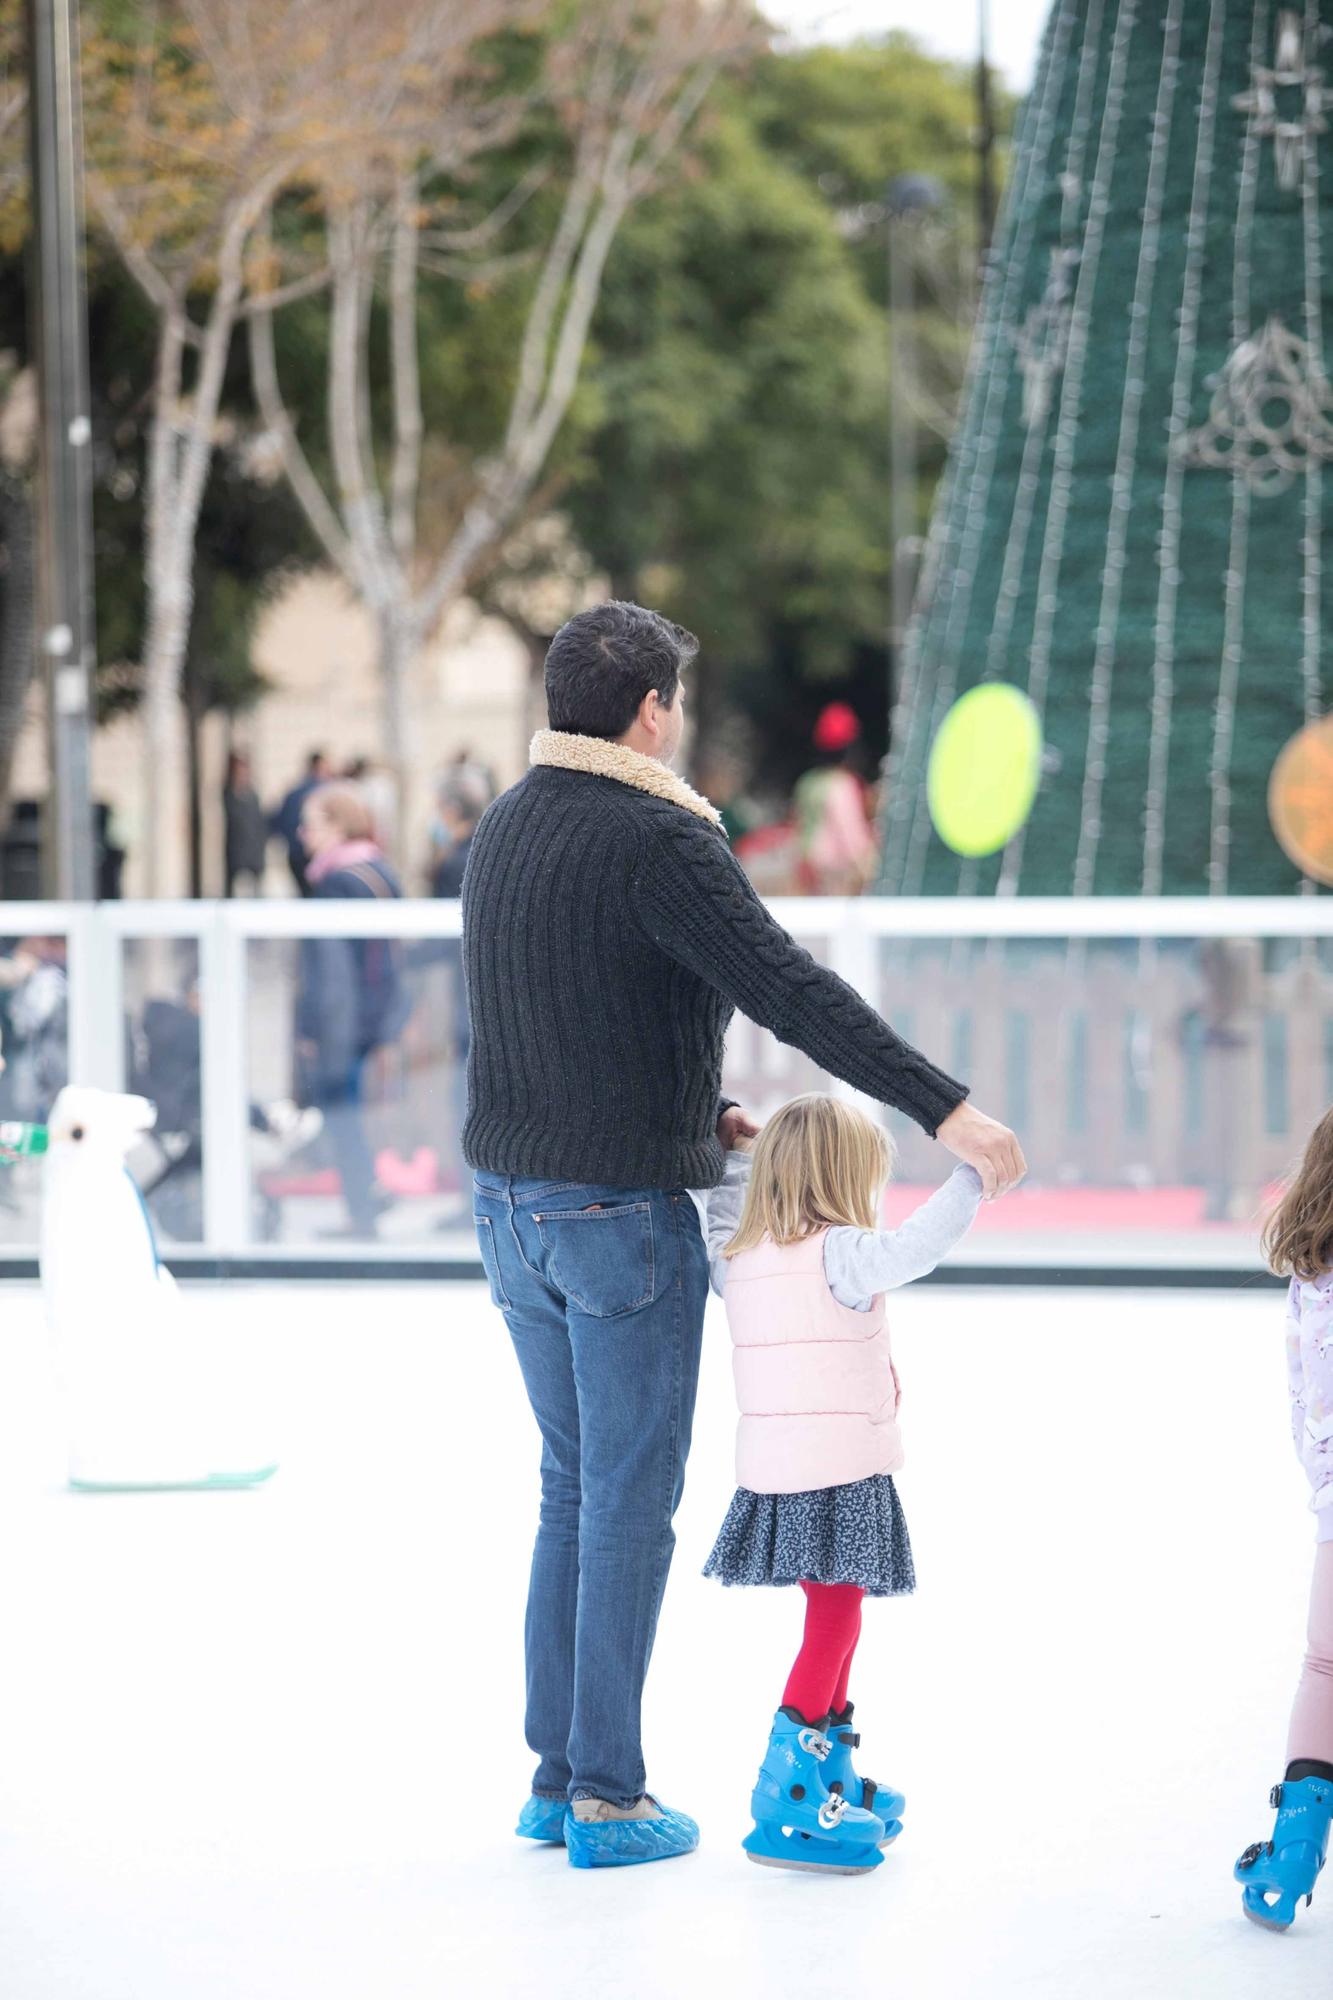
(861, 1263)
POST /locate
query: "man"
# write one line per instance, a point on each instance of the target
(286, 822)
(608, 936)
(461, 799)
(245, 829)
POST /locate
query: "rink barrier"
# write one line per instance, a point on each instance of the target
(202, 1269)
(934, 966)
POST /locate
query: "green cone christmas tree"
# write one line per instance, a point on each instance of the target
(1134, 528)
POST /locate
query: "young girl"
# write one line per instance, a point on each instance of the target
(797, 1256)
(1298, 1243)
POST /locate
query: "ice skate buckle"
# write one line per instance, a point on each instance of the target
(831, 1812)
(814, 1743)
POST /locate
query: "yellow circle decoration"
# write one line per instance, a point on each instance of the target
(983, 771)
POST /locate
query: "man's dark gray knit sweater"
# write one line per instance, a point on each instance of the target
(608, 936)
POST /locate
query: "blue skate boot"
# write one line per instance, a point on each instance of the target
(1278, 1872)
(799, 1822)
(882, 1800)
(600, 1835)
(543, 1819)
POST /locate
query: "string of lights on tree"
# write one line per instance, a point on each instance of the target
(1130, 532)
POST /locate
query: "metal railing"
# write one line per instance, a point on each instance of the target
(1162, 1060)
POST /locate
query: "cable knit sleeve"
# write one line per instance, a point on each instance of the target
(697, 904)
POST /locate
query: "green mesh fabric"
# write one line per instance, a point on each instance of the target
(1093, 542)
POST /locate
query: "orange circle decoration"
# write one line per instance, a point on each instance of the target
(1300, 799)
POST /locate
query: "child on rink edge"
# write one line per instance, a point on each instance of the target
(795, 1253)
(1298, 1243)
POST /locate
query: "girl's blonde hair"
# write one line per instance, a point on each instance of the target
(819, 1163)
(1298, 1236)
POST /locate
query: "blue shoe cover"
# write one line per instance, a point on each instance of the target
(799, 1822)
(543, 1819)
(839, 1776)
(1278, 1872)
(621, 1843)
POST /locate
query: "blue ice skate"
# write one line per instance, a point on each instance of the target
(799, 1822)
(543, 1819)
(598, 1841)
(882, 1800)
(1278, 1872)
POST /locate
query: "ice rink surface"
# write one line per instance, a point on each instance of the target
(268, 1745)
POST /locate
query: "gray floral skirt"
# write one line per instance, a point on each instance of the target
(837, 1534)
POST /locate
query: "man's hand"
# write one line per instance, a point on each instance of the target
(985, 1144)
(733, 1126)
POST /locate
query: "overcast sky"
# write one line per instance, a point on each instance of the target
(947, 27)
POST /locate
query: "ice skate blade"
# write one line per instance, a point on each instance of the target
(811, 1867)
(802, 1850)
(1269, 1920)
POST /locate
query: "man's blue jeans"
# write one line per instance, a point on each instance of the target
(603, 1289)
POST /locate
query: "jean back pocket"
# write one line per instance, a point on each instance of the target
(601, 1258)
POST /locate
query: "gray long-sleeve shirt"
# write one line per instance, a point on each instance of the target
(859, 1264)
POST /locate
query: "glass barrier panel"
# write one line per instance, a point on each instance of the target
(163, 1007)
(358, 1056)
(34, 1044)
(1161, 1087)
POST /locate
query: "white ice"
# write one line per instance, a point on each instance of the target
(268, 1745)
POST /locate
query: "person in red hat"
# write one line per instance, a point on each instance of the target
(837, 841)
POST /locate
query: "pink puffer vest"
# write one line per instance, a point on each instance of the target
(815, 1380)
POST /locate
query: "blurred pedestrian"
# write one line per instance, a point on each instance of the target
(381, 795)
(36, 1012)
(286, 821)
(463, 797)
(245, 829)
(471, 771)
(837, 840)
(353, 998)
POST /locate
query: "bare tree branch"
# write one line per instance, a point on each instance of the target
(286, 295)
(407, 426)
(479, 234)
(156, 287)
(314, 503)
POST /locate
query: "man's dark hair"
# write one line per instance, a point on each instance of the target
(602, 663)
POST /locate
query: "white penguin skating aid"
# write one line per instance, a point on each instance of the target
(151, 1400)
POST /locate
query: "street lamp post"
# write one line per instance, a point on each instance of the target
(64, 623)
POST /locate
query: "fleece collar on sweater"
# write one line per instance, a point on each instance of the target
(601, 759)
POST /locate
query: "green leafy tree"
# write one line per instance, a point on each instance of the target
(738, 477)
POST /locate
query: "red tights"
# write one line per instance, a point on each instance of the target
(818, 1682)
